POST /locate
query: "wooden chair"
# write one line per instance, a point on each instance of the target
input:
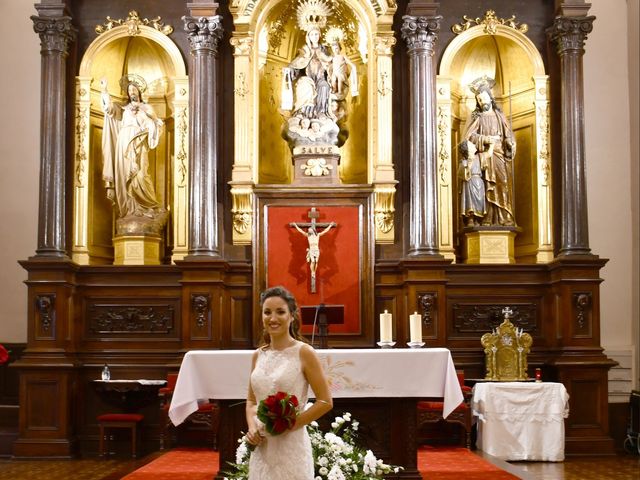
(430, 412)
(108, 421)
(206, 419)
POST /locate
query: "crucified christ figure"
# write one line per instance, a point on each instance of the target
(313, 251)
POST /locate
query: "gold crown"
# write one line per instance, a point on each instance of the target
(313, 14)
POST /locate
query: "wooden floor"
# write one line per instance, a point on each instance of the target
(620, 467)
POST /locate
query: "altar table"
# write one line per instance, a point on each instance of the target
(388, 383)
(521, 420)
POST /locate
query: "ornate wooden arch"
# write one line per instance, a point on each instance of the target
(82, 149)
(542, 248)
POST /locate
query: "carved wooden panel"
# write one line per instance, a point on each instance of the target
(428, 308)
(131, 317)
(200, 306)
(582, 304)
(45, 316)
(471, 319)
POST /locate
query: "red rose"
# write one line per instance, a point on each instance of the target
(4, 355)
(280, 425)
(270, 402)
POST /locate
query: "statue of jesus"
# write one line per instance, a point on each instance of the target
(313, 251)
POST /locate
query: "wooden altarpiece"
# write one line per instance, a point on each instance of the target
(226, 173)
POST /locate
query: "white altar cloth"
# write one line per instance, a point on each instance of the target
(352, 373)
(521, 421)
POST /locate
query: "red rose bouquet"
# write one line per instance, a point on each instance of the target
(278, 412)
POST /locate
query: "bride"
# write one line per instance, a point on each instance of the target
(285, 363)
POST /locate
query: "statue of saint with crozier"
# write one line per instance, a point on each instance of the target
(489, 131)
(131, 130)
(316, 82)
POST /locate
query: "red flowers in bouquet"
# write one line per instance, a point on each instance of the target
(278, 412)
(4, 355)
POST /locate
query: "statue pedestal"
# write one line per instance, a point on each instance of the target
(139, 239)
(137, 250)
(316, 165)
(490, 244)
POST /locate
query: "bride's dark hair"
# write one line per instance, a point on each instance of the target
(287, 296)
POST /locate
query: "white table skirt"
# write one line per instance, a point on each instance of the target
(352, 373)
(521, 421)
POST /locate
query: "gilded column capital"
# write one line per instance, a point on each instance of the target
(421, 33)
(204, 33)
(383, 44)
(570, 33)
(56, 33)
(241, 45)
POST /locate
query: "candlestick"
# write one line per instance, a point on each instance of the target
(385, 327)
(415, 327)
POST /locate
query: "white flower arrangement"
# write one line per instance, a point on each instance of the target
(336, 454)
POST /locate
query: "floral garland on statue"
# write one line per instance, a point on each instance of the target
(336, 455)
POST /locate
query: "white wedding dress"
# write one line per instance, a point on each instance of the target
(286, 456)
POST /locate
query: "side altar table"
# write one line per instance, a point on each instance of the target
(386, 383)
(521, 420)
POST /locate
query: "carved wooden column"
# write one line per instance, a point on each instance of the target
(420, 33)
(56, 33)
(569, 34)
(204, 30)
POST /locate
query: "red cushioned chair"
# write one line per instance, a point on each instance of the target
(118, 420)
(205, 419)
(431, 412)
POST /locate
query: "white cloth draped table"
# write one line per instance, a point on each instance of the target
(521, 420)
(352, 373)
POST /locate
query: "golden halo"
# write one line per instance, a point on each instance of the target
(137, 80)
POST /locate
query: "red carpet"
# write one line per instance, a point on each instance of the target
(455, 463)
(442, 463)
(179, 464)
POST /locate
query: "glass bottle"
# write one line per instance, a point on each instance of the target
(106, 374)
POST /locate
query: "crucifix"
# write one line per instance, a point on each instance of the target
(313, 237)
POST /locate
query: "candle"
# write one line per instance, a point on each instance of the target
(385, 327)
(415, 327)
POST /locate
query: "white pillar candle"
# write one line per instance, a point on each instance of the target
(385, 327)
(415, 327)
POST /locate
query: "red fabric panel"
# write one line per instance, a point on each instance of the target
(172, 378)
(338, 273)
(425, 405)
(438, 406)
(120, 417)
(206, 407)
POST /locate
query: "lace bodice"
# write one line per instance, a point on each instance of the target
(287, 456)
(279, 371)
